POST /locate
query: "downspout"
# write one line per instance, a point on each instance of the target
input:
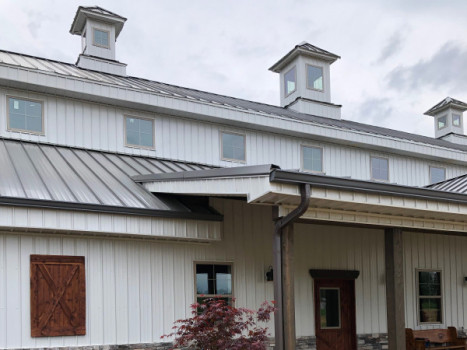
(284, 320)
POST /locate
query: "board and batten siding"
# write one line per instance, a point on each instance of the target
(101, 127)
(447, 254)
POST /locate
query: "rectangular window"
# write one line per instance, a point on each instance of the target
(379, 169)
(437, 174)
(456, 120)
(429, 296)
(139, 132)
(213, 280)
(290, 81)
(58, 295)
(314, 77)
(101, 38)
(312, 158)
(25, 115)
(233, 146)
(442, 122)
(330, 308)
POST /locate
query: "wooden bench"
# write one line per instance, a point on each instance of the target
(434, 339)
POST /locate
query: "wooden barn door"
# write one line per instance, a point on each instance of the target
(335, 314)
(58, 295)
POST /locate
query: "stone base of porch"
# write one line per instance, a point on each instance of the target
(364, 342)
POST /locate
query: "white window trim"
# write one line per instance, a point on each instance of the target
(460, 120)
(445, 124)
(25, 131)
(302, 163)
(94, 37)
(437, 167)
(222, 146)
(230, 263)
(371, 170)
(285, 82)
(130, 145)
(306, 71)
(441, 296)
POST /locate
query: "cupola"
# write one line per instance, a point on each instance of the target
(99, 30)
(448, 118)
(305, 82)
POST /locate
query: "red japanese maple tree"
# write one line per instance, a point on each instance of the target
(215, 325)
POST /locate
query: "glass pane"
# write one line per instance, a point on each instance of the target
(442, 122)
(233, 146)
(312, 158)
(290, 81)
(132, 137)
(430, 310)
(223, 283)
(329, 303)
(34, 124)
(101, 37)
(33, 109)
(146, 140)
(25, 115)
(437, 175)
(315, 77)
(132, 124)
(17, 121)
(379, 169)
(145, 125)
(429, 283)
(139, 132)
(456, 120)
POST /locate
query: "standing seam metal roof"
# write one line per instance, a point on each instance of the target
(45, 172)
(68, 69)
(457, 184)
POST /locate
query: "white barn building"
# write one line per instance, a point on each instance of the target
(123, 200)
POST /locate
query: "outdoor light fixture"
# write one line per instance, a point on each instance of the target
(270, 274)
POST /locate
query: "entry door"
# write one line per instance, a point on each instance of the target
(335, 314)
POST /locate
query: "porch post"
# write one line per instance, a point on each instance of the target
(277, 268)
(288, 295)
(395, 288)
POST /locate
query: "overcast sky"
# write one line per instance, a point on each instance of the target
(399, 57)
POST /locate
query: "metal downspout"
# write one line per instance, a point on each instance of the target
(280, 296)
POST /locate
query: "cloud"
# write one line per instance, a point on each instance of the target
(374, 111)
(445, 68)
(393, 46)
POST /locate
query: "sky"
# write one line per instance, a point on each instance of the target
(398, 57)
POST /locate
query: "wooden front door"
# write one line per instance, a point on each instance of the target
(335, 314)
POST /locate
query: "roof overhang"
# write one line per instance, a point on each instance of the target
(296, 51)
(83, 13)
(333, 199)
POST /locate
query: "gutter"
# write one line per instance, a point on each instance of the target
(284, 320)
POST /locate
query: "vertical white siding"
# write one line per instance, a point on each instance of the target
(437, 252)
(344, 248)
(77, 123)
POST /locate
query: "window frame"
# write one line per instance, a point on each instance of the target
(440, 297)
(322, 75)
(436, 167)
(222, 146)
(94, 37)
(460, 119)
(227, 263)
(130, 145)
(302, 159)
(25, 131)
(371, 169)
(445, 116)
(286, 94)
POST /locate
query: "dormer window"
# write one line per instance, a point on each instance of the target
(314, 77)
(101, 38)
(290, 81)
(442, 122)
(456, 119)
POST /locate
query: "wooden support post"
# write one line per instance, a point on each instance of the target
(277, 268)
(395, 288)
(288, 295)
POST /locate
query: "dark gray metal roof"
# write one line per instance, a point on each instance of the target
(99, 13)
(63, 177)
(67, 69)
(457, 184)
(447, 102)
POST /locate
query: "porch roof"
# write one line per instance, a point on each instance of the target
(332, 199)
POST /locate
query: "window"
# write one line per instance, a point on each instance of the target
(437, 174)
(314, 77)
(442, 122)
(58, 295)
(101, 38)
(139, 132)
(330, 308)
(25, 115)
(214, 280)
(312, 158)
(379, 169)
(429, 296)
(456, 119)
(233, 146)
(290, 81)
